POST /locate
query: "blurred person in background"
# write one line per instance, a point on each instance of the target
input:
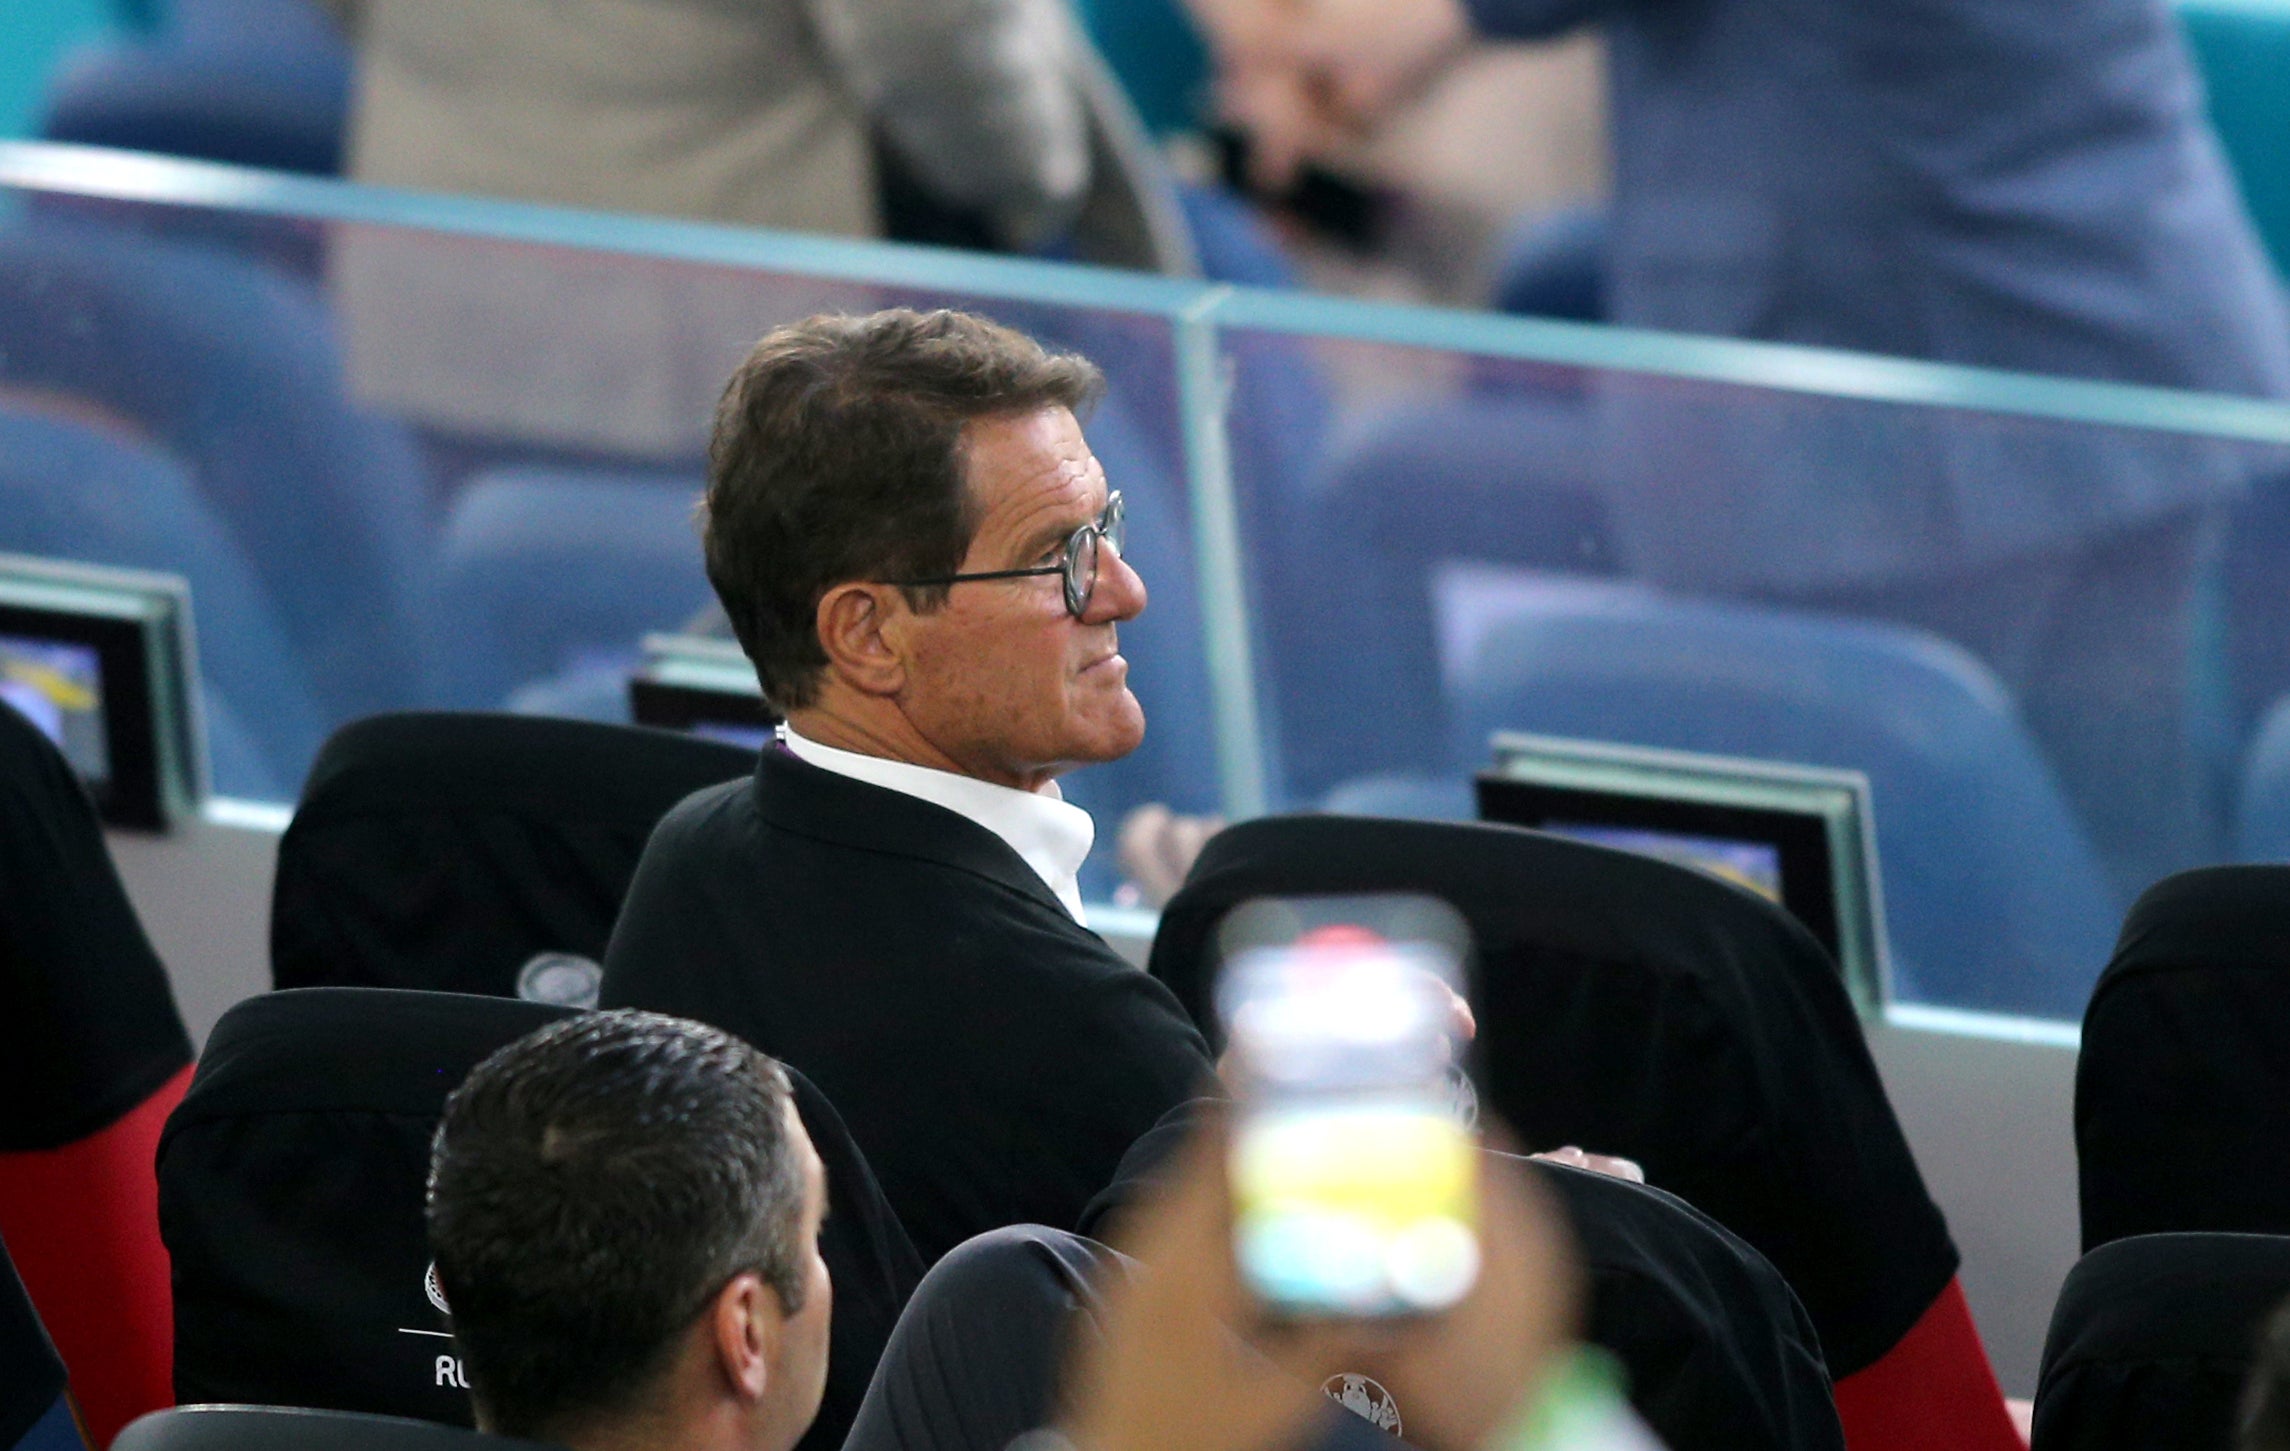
(988, 124)
(1963, 181)
(762, 112)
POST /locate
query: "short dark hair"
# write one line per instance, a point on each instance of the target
(837, 456)
(592, 1186)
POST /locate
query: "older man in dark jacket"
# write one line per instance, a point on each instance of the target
(922, 557)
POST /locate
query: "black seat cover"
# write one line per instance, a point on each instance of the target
(2182, 1093)
(445, 851)
(1719, 1355)
(31, 1373)
(284, 1428)
(291, 1183)
(2152, 1340)
(1642, 1009)
(88, 1025)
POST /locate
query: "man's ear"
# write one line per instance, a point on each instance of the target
(747, 1327)
(858, 627)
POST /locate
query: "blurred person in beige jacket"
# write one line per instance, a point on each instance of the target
(769, 113)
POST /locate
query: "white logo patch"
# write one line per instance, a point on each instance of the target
(1365, 1399)
(433, 1287)
(560, 979)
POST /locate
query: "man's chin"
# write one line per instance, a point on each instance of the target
(1115, 737)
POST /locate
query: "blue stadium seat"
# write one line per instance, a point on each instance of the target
(234, 371)
(1992, 894)
(1554, 265)
(548, 569)
(1232, 239)
(1347, 570)
(2262, 817)
(70, 491)
(250, 82)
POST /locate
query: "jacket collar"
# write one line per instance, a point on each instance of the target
(798, 797)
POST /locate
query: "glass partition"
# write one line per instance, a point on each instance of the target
(2046, 642)
(427, 452)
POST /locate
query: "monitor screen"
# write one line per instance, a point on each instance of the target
(1755, 865)
(99, 661)
(704, 685)
(1797, 836)
(57, 685)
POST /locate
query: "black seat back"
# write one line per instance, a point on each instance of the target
(286, 1428)
(31, 1374)
(2182, 1092)
(88, 1024)
(446, 852)
(291, 1182)
(290, 1195)
(2152, 1340)
(1643, 1009)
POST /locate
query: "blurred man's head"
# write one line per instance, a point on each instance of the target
(625, 1213)
(861, 465)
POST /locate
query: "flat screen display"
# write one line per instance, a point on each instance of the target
(1799, 836)
(1781, 855)
(57, 685)
(1755, 865)
(99, 661)
(735, 717)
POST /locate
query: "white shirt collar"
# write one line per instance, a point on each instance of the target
(1051, 833)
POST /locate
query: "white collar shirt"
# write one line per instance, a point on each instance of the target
(1050, 833)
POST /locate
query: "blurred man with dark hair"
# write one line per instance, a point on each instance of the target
(922, 558)
(625, 1212)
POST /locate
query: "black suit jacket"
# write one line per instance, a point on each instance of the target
(993, 1058)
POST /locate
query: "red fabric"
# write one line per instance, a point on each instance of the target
(1934, 1389)
(82, 1224)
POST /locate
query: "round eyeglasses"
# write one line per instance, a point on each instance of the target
(1078, 564)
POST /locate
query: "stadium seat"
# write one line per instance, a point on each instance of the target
(1993, 897)
(1555, 266)
(2182, 1092)
(1639, 1008)
(71, 489)
(2262, 806)
(233, 370)
(542, 568)
(2243, 51)
(1349, 596)
(263, 83)
(450, 852)
(35, 1412)
(93, 1055)
(2152, 1339)
(290, 1193)
(285, 1428)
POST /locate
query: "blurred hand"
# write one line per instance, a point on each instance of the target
(1157, 847)
(1607, 1164)
(1169, 1369)
(1302, 77)
(1186, 1358)
(1458, 1378)
(1372, 53)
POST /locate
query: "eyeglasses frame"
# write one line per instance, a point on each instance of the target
(1105, 528)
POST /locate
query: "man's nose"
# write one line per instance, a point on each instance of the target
(1120, 592)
